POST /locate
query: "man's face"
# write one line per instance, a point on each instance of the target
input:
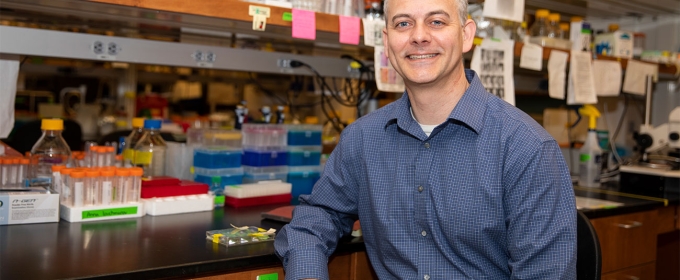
(425, 39)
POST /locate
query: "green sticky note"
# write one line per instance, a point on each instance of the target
(287, 16)
(109, 212)
(270, 276)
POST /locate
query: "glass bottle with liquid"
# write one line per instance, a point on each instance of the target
(150, 150)
(51, 149)
(131, 141)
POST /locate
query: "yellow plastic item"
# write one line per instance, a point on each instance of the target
(137, 122)
(554, 17)
(52, 124)
(576, 19)
(564, 26)
(542, 13)
(592, 113)
(613, 27)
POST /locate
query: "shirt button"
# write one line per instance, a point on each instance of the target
(427, 145)
(427, 277)
(423, 233)
(420, 188)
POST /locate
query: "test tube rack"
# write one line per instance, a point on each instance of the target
(101, 212)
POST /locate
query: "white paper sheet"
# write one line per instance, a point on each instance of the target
(607, 77)
(504, 9)
(581, 72)
(531, 57)
(493, 62)
(373, 32)
(9, 73)
(636, 76)
(557, 74)
(386, 77)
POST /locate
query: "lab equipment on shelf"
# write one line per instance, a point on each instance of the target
(150, 150)
(50, 149)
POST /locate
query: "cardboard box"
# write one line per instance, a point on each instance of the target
(618, 44)
(29, 207)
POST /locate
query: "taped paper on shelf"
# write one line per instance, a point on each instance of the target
(386, 77)
(607, 77)
(512, 10)
(557, 74)
(635, 81)
(493, 62)
(9, 73)
(581, 87)
(373, 32)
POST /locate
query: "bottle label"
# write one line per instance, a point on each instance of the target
(143, 158)
(584, 157)
(129, 154)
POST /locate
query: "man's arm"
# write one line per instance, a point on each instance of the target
(322, 218)
(540, 214)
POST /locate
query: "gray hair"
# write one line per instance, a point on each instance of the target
(462, 10)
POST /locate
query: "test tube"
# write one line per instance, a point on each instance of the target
(136, 187)
(107, 181)
(90, 155)
(65, 194)
(4, 171)
(23, 171)
(77, 185)
(56, 178)
(13, 171)
(120, 185)
(92, 188)
(110, 156)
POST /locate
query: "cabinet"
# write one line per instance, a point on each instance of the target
(347, 266)
(641, 272)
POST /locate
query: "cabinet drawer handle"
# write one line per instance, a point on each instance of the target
(632, 224)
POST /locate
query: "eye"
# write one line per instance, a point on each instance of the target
(402, 24)
(437, 22)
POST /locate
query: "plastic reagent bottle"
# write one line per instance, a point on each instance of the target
(590, 155)
(51, 149)
(150, 150)
(131, 141)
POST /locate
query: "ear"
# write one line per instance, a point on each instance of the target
(385, 40)
(469, 30)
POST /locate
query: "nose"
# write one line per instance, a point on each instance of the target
(420, 35)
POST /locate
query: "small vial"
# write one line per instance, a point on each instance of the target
(23, 171)
(107, 181)
(65, 191)
(92, 188)
(77, 185)
(56, 178)
(136, 187)
(110, 156)
(120, 185)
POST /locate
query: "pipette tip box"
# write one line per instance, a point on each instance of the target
(101, 212)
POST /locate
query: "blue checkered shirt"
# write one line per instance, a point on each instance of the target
(486, 196)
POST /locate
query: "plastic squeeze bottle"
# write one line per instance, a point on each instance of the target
(590, 155)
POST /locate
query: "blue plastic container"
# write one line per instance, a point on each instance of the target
(304, 156)
(303, 182)
(253, 174)
(304, 135)
(265, 157)
(210, 158)
(227, 177)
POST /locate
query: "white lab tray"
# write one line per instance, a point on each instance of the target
(179, 204)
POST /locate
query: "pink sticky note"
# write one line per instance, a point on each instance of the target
(304, 24)
(349, 30)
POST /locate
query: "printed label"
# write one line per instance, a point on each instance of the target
(107, 192)
(92, 214)
(129, 154)
(143, 158)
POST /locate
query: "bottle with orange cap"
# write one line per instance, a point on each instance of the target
(50, 149)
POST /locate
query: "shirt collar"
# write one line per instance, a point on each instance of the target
(470, 109)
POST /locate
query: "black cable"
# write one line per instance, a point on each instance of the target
(623, 115)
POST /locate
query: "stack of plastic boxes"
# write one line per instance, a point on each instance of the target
(304, 158)
(265, 156)
(217, 160)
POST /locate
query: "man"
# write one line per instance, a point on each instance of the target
(449, 182)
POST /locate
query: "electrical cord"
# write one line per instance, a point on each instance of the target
(352, 98)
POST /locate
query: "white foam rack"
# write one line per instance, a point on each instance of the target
(101, 212)
(179, 204)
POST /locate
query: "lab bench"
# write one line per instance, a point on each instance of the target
(174, 246)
